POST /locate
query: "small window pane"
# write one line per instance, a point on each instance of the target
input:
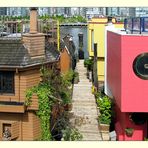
(7, 82)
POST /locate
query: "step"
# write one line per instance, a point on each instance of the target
(81, 97)
(87, 104)
(91, 137)
(88, 128)
(82, 107)
(94, 115)
(88, 100)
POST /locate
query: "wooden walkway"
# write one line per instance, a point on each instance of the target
(85, 113)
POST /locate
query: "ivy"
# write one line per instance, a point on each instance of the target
(53, 88)
(45, 101)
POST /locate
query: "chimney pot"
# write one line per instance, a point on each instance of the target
(33, 20)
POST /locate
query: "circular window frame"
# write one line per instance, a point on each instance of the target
(144, 77)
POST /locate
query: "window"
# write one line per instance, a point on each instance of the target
(140, 66)
(6, 82)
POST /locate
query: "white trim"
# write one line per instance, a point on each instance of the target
(106, 86)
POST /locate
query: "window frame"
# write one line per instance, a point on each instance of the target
(7, 77)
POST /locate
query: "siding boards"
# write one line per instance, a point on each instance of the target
(28, 80)
(15, 130)
(31, 126)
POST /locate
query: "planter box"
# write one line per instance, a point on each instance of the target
(104, 127)
(12, 108)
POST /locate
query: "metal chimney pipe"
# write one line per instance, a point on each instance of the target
(109, 19)
(33, 20)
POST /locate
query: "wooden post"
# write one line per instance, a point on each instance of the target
(95, 73)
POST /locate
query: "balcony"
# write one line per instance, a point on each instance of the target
(12, 107)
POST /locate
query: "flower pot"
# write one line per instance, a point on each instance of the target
(129, 132)
(68, 107)
(104, 127)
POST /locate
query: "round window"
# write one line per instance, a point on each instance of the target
(140, 66)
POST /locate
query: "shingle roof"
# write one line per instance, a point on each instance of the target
(70, 45)
(14, 54)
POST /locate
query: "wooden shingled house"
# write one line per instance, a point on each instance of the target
(20, 63)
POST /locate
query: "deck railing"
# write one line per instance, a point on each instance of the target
(136, 25)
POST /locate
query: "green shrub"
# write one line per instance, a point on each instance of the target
(71, 134)
(88, 63)
(104, 104)
(65, 97)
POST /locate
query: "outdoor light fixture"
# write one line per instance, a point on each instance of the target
(140, 66)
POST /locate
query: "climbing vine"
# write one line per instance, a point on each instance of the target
(45, 101)
(54, 88)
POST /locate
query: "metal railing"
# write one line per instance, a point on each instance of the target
(136, 25)
(15, 29)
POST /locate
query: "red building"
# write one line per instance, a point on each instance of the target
(127, 75)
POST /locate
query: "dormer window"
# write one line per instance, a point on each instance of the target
(6, 82)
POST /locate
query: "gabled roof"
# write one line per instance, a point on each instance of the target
(70, 45)
(14, 54)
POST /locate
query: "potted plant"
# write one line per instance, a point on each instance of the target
(104, 104)
(104, 123)
(129, 131)
(88, 63)
(76, 77)
(67, 102)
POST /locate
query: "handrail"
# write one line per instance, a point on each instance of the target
(136, 24)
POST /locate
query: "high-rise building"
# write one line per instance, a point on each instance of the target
(17, 11)
(3, 11)
(132, 12)
(141, 11)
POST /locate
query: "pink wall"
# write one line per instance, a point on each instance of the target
(123, 121)
(114, 65)
(134, 89)
(129, 91)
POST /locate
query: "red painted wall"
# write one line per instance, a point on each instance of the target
(134, 89)
(123, 122)
(114, 65)
(129, 91)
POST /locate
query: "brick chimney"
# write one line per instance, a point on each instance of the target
(34, 41)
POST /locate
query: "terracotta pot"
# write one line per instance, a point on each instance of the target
(68, 107)
(129, 133)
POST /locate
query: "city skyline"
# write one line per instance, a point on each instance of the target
(87, 12)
